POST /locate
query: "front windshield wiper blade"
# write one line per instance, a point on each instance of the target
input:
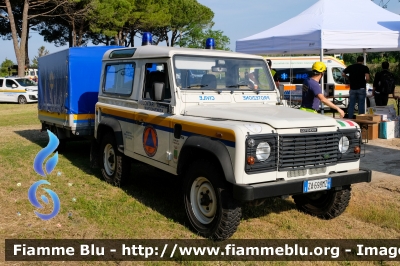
(237, 86)
(196, 85)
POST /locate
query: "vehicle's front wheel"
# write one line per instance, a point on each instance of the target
(22, 99)
(115, 166)
(325, 205)
(208, 200)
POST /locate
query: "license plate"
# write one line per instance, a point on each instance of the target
(317, 185)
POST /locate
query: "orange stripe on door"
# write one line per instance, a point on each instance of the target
(342, 87)
(289, 87)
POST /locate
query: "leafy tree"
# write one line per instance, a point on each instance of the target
(4, 67)
(196, 38)
(16, 18)
(42, 51)
(185, 15)
(68, 22)
(110, 17)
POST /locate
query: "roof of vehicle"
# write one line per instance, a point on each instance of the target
(310, 59)
(155, 51)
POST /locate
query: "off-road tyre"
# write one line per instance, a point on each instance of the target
(115, 166)
(222, 217)
(22, 99)
(325, 205)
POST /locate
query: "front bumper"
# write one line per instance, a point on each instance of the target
(292, 187)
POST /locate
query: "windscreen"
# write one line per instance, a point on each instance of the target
(26, 82)
(220, 73)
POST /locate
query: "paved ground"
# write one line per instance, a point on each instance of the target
(382, 156)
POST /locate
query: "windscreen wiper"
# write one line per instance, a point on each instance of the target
(196, 85)
(238, 85)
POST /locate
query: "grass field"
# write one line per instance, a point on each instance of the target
(151, 206)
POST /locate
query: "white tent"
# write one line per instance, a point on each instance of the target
(330, 26)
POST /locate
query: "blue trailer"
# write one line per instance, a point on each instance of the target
(68, 88)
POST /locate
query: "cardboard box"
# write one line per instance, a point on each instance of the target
(373, 131)
(373, 118)
(389, 129)
(383, 117)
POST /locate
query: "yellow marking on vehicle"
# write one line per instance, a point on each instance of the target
(192, 127)
(12, 90)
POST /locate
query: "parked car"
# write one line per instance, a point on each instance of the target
(18, 90)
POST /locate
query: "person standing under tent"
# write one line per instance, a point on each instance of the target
(383, 85)
(358, 76)
(312, 94)
(273, 72)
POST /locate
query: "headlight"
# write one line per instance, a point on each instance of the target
(344, 144)
(28, 90)
(263, 151)
(357, 134)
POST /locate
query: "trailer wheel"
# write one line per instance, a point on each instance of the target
(325, 205)
(22, 99)
(209, 205)
(115, 166)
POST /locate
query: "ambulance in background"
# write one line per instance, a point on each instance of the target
(32, 74)
(293, 70)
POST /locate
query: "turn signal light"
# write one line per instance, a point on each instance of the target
(357, 150)
(250, 160)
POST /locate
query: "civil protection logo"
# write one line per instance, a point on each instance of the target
(49, 167)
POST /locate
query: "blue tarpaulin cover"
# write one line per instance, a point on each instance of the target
(69, 80)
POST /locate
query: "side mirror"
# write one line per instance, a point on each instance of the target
(158, 91)
(14, 86)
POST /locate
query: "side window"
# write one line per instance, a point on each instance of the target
(9, 83)
(119, 78)
(1, 82)
(337, 75)
(156, 73)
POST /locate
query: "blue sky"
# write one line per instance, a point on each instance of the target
(236, 18)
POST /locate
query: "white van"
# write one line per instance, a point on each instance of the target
(18, 90)
(292, 71)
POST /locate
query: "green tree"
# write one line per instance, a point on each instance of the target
(42, 51)
(185, 14)
(17, 17)
(4, 67)
(110, 17)
(196, 38)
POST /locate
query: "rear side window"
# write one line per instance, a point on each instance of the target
(1, 82)
(119, 78)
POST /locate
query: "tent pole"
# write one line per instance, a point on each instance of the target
(321, 82)
(365, 56)
(365, 63)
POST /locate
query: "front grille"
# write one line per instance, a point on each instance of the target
(307, 151)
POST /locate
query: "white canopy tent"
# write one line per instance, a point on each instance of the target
(339, 26)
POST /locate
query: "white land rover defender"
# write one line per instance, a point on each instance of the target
(227, 133)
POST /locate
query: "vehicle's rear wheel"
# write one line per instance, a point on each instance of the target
(22, 99)
(115, 166)
(325, 205)
(209, 205)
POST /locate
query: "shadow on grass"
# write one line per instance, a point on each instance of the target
(152, 187)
